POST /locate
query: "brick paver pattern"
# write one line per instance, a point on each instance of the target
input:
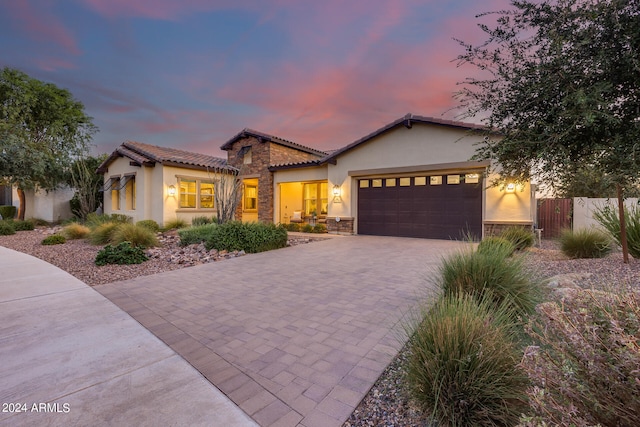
(296, 336)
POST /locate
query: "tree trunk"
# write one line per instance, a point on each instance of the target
(623, 226)
(22, 206)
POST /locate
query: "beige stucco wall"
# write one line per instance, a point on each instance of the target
(584, 207)
(50, 206)
(503, 207)
(120, 167)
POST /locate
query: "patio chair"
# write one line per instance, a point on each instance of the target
(297, 217)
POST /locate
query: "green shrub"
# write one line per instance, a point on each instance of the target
(54, 239)
(462, 367)
(585, 243)
(196, 234)
(520, 237)
(201, 220)
(608, 217)
(103, 233)
(149, 224)
(490, 273)
(7, 228)
(291, 226)
(306, 228)
(136, 235)
(20, 225)
(123, 253)
(175, 224)
(7, 211)
(319, 228)
(495, 244)
(584, 367)
(75, 231)
(251, 237)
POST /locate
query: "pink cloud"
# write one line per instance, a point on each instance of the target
(41, 24)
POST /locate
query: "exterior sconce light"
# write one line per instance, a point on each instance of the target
(336, 194)
(171, 191)
(510, 188)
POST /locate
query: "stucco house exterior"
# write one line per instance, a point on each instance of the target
(410, 178)
(145, 181)
(52, 206)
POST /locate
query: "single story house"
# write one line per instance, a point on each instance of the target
(412, 178)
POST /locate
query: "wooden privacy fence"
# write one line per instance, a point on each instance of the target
(554, 215)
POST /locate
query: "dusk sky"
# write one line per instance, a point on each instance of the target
(191, 74)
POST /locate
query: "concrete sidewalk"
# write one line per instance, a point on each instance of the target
(68, 356)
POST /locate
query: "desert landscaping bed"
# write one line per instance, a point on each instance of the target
(77, 256)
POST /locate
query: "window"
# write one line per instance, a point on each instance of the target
(315, 197)
(245, 154)
(405, 182)
(250, 197)
(206, 195)
(472, 178)
(130, 192)
(391, 182)
(435, 180)
(115, 194)
(420, 180)
(196, 193)
(376, 183)
(453, 179)
(364, 183)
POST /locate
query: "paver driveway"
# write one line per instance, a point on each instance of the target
(295, 336)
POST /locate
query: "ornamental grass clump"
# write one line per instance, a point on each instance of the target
(94, 220)
(196, 234)
(610, 220)
(585, 243)
(75, 231)
(585, 366)
(102, 233)
(150, 224)
(489, 271)
(25, 225)
(137, 235)
(520, 237)
(493, 244)
(175, 224)
(462, 368)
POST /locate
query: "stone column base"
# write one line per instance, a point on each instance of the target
(344, 226)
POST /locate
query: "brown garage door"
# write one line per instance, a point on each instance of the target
(433, 207)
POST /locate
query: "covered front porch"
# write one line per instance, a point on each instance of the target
(303, 202)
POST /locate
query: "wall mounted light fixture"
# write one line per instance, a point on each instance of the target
(336, 194)
(171, 191)
(510, 188)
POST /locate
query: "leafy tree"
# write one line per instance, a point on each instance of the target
(561, 82)
(42, 130)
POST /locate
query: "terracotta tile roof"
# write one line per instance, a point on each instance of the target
(147, 155)
(295, 165)
(246, 132)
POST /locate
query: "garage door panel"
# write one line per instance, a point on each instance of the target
(445, 211)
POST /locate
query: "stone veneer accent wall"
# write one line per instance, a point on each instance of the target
(493, 229)
(345, 226)
(263, 155)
